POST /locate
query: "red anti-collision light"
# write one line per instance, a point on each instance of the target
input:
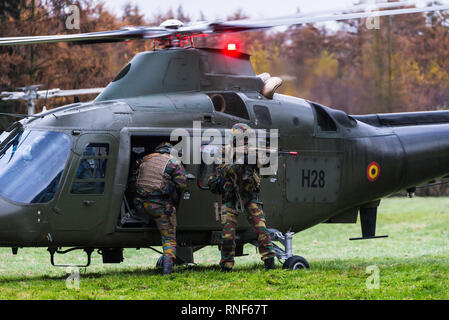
(232, 47)
(294, 153)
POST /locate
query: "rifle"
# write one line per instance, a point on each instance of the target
(248, 170)
(237, 195)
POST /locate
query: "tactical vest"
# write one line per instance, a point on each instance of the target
(151, 172)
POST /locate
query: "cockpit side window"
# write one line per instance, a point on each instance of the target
(229, 103)
(91, 173)
(263, 115)
(96, 149)
(123, 72)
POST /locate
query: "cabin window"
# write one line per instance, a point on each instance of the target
(91, 173)
(123, 72)
(343, 119)
(263, 116)
(229, 103)
(324, 120)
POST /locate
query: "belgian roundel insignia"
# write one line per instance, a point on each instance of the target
(373, 171)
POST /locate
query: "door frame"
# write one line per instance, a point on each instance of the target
(64, 216)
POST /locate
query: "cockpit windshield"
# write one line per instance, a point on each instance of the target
(31, 165)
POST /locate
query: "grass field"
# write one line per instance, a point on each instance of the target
(413, 263)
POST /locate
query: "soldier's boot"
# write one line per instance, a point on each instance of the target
(269, 264)
(168, 268)
(226, 266)
(225, 269)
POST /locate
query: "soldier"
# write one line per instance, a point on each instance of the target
(86, 168)
(161, 179)
(239, 185)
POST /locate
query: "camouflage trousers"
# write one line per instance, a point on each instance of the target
(164, 214)
(256, 219)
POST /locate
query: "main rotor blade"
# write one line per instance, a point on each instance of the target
(354, 8)
(249, 25)
(220, 27)
(5, 95)
(93, 37)
(361, 7)
(64, 93)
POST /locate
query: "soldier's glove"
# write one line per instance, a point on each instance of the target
(228, 187)
(169, 189)
(170, 209)
(248, 173)
(215, 184)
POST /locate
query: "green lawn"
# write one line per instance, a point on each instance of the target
(413, 263)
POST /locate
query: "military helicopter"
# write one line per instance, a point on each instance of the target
(332, 168)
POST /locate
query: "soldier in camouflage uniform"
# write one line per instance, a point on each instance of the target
(239, 185)
(161, 179)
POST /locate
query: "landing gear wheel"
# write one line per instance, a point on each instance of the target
(296, 263)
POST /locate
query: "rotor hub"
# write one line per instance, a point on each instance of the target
(172, 24)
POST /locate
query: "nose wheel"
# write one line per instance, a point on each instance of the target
(296, 263)
(290, 261)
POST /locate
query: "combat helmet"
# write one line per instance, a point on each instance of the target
(241, 133)
(164, 147)
(242, 129)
